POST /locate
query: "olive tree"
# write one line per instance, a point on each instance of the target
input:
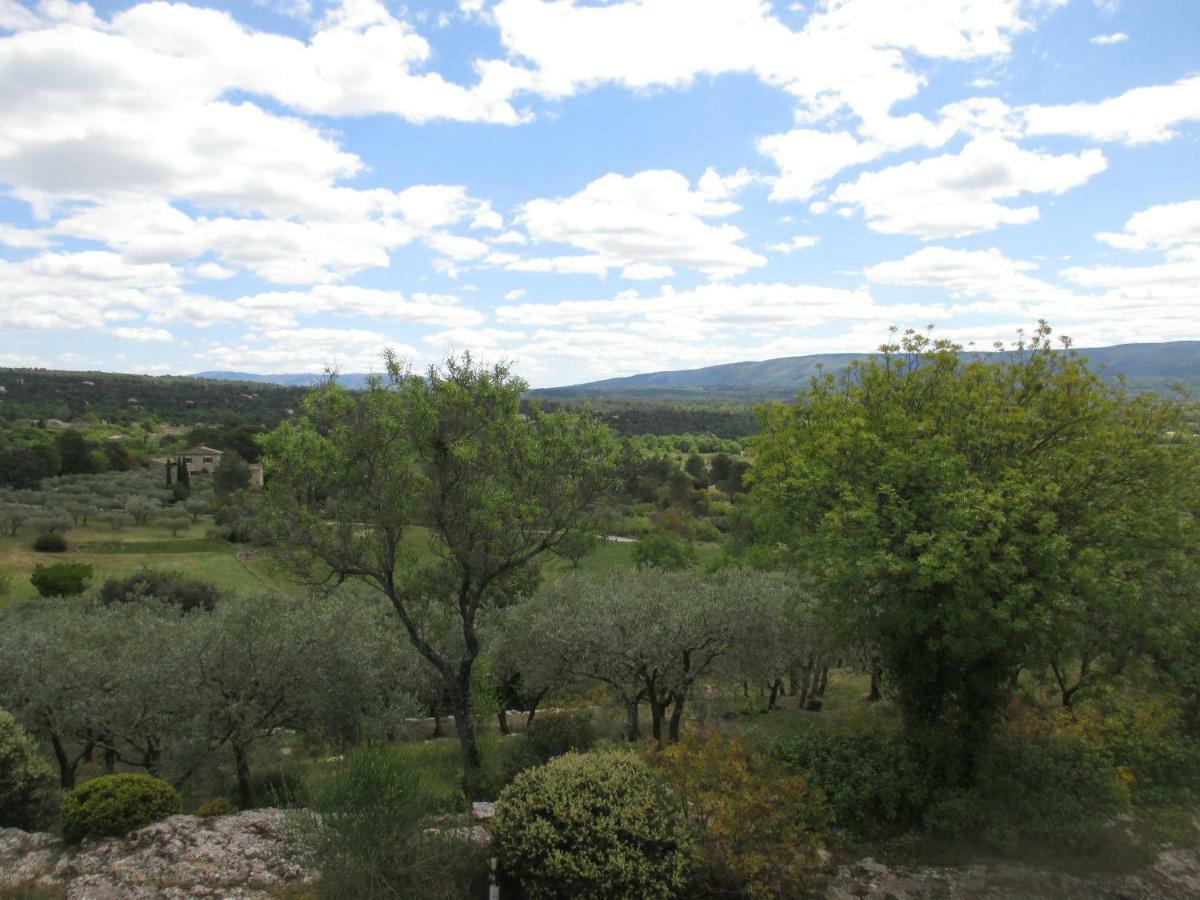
(971, 518)
(436, 491)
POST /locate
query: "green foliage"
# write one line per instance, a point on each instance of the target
(278, 788)
(29, 795)
(231, 474)
(174, 588)
(870, 779)
(969, 519)
(6, 582)
(759, 829)
(1163, 769)
(369, 841)
(112, 805)
(553, 735)
(1047, 790)
(51, 542)
(663, 550)
(61, 579)
(598, 826)
(218, 806)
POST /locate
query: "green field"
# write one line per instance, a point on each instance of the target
(114, 553)
(235, 567)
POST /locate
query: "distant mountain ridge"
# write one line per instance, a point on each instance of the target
(1145, 366)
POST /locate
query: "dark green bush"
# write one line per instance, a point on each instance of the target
(597, 826)
(553, 735)
(275, 788)
(170, 587)
(1165, 769)
(61, 579)
(29, 793)
(370, 840)
(1053, 791)
(871, 780)
(112, 805)
(51, 542)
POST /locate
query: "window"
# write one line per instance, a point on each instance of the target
(208, 459)
(187, 460)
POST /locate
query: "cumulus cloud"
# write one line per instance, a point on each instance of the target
(799, 242)
(280, 350)
(960, 194)
(644, 224)
(966, 273)
(1163, 226)
(1138, 116)
(1104, 40)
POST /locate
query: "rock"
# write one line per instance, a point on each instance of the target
(482, 811)
(248, 855)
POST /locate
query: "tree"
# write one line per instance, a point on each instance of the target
(969, 519)
(231, 474)
(75, 452)
(61, 579)
(451, 451)
(182, 476)
(663, 550)
(698, 470)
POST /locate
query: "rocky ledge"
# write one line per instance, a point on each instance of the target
(248, 855)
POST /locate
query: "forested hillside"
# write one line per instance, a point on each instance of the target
(48, 394)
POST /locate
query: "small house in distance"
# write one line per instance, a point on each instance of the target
(201, 460)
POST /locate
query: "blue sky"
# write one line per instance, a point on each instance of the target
(589, 189)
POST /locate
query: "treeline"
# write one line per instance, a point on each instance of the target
(663, 417)
(116, 397)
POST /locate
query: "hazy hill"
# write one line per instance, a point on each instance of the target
(1144, 366)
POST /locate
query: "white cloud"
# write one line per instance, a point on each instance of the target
(807, 158)
(959, 194)
(643, 224)
(516, 294)
(143, 334)
(1104, 40)
(799, 242)
(1138, 116)
(1163, 226)
(280, 350)
(966, 273)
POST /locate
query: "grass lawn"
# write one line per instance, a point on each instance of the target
(116, 553)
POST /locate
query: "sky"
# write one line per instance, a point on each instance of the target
(589, 189)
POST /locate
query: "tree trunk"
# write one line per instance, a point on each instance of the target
(874, 694)
(502, 719)
(533, 705)
(657, 709)
(824, 682)
(465, 728)
(437, 720)
(633, 727)
(676, 717)
(776, 687)
(246, 798)
(66, 771)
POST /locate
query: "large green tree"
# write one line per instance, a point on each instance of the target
(970, 519)
(446, 463)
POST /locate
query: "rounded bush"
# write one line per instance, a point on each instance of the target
(52, 542)
(218, 806)
(594, 826)
(28, 786)
(174, 588)
(61, 579)
(112, 805)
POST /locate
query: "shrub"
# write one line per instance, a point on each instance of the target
(50, 542)
(593, 826)
(1164, 769)
(170, 587)
(5, 583)
(553, 735)
(1053, 791)
(663, 550)
(369, 840)
(61, 579)
(758, 828)
(218, 806)
(112, 805)
(870, 780)
(275, 788)
(29, 793)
